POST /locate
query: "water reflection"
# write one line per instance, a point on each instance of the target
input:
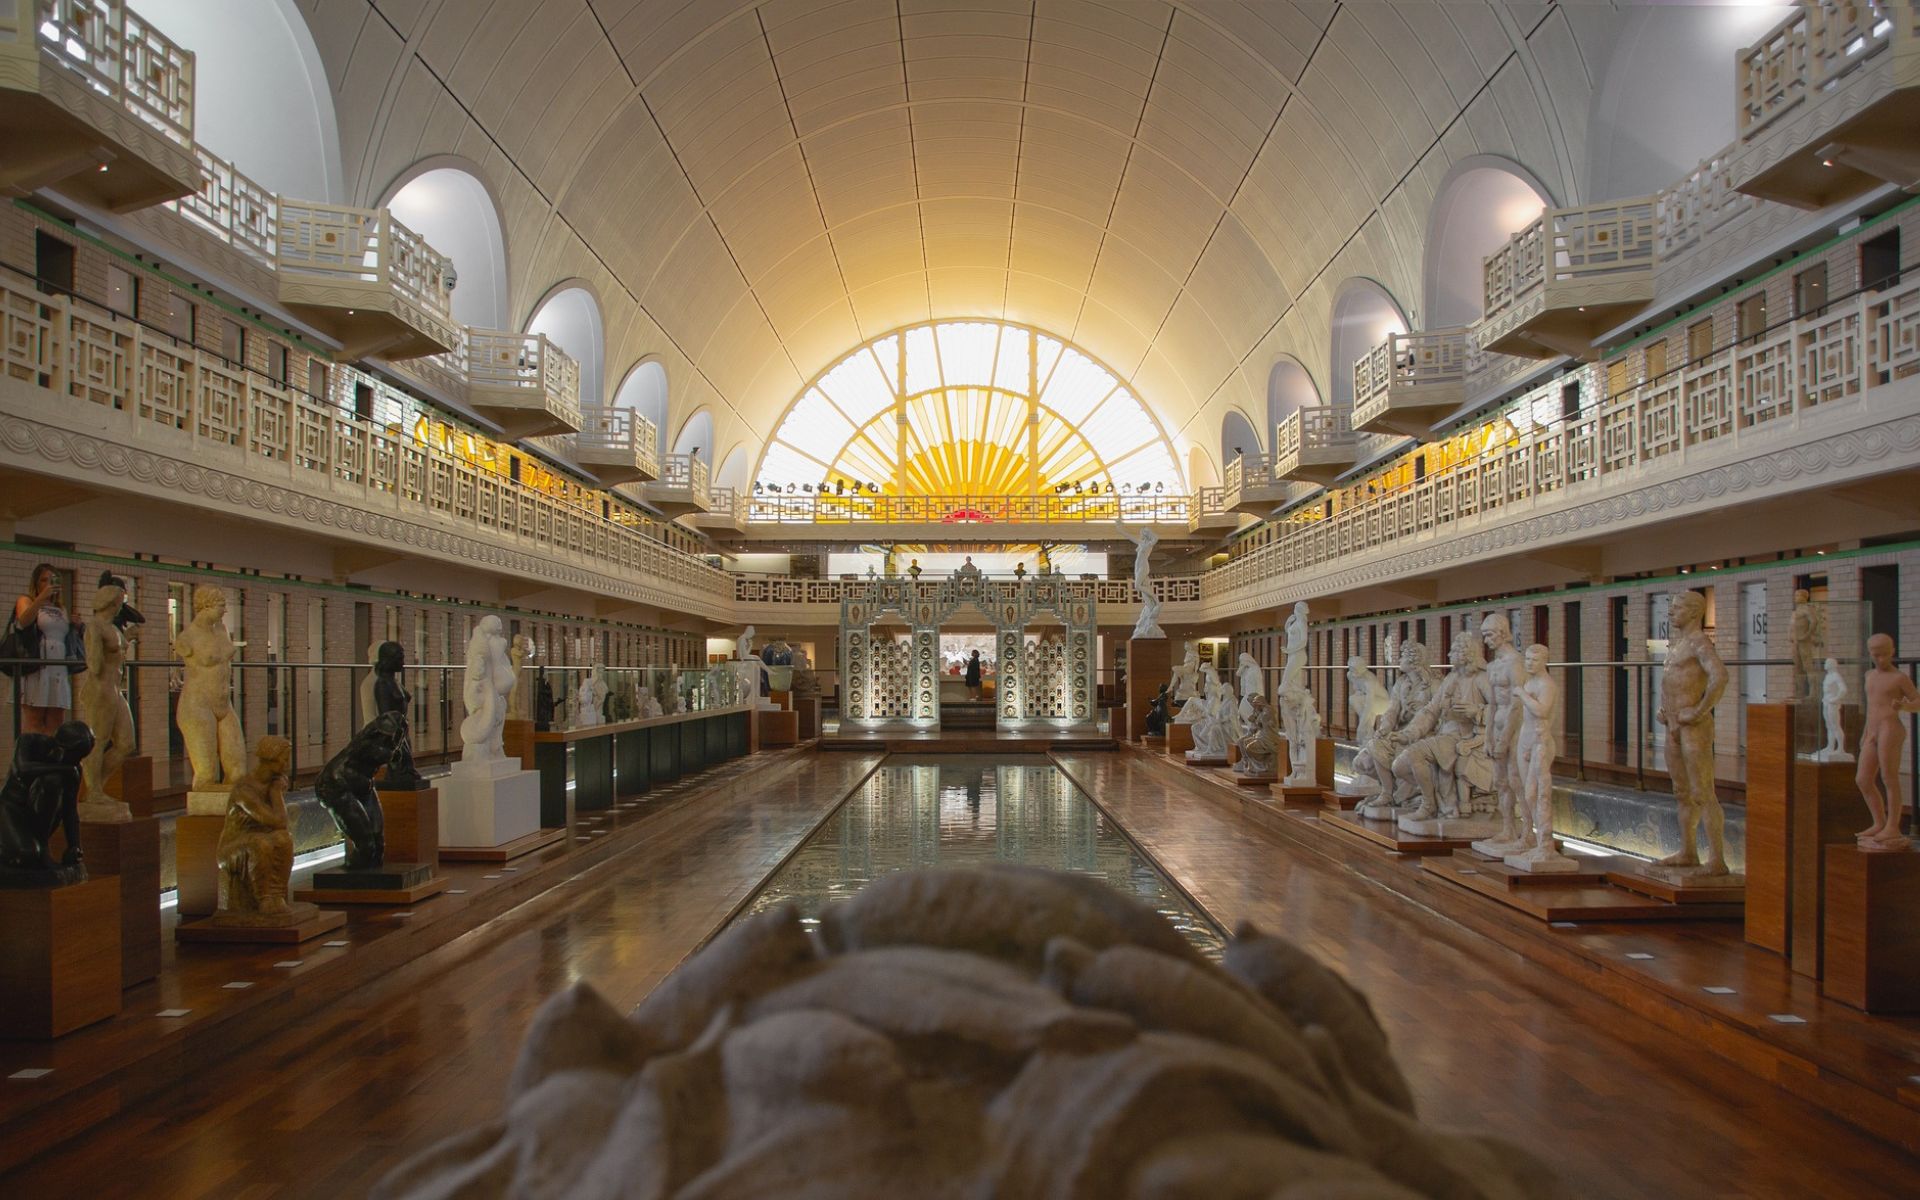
(958, 811)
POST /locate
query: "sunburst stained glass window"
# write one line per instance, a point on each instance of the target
(969, 408)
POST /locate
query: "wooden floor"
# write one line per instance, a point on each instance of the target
(1490, 1040)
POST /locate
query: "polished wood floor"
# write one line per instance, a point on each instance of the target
(1490, 1040)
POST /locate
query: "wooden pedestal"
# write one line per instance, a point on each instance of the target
(1795, 809)
(196, 863)
(781, 700)
(1179, 740)
(778, 727)
(1149, 664)
(303, 925)
(407, 890)
(132, 784)
(809, 709)
(1872, 944)
(413, 825)
(59, 957)
(506, 851)
(130, 850)
(516, 739)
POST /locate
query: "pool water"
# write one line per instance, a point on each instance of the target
(961, 811)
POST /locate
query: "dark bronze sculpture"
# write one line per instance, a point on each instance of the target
(390, 695)
(1157, 714)
(345, 789)
(41, 794)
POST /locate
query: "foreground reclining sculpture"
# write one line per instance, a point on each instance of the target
(1006, 1032)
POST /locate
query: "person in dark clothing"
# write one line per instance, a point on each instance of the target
(973, 675)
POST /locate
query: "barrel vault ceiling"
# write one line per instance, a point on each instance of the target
(753, 188)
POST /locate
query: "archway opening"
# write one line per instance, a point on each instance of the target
(1289, 389)
(696, 437)
(1364, 315)
(644, 390)
(570, 318)
(1479, 207)
(1238, 436)
(452, 209)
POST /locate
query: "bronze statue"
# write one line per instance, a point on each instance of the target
(256, 847)
(1157, 714)
(42, 794)
(345, 789)
(390, 695)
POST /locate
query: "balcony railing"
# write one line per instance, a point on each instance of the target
(866, 508)
(1808, 53)
(1695, 208)
(1571, 245)
(340, 244)
(1208, 510)
(123, 58)
(525, 366)
(219, 415)
(1106, 593)
(1427, 359)
(234, 209)
(619, 431)
(1322, 427)
(1806, 366)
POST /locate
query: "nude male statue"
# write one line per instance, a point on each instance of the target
(1803, 632)
(1690, 685)
(1889, 695)
(1446, 735)
(1505, 675)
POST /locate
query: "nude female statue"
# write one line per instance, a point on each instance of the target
(256, 848)
(102, 705)
(1882, 740)
(1536, 745)
(215, 744)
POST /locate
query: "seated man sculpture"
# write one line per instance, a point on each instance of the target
(1447, 755)
(1260, 742)
(41, 794)
(345, 789)
(1373, 765)
(256, 847)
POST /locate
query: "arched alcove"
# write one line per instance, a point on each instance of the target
(1483, 201)
(735, 470)
(1289, 389)
(1200, 468)
(644, 390)
(446, 202)
(570, 317)
(696, 437)
(261, 96)
(1364, 314)
(1666, 98)
(1238, 436)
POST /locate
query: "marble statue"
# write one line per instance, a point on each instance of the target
(1505, 674)
(1259, 741)
(390, 695)
(1373, 773)
(100, 703)
(1367, 699)
(1252, 681)
(1157, 713)
(1390, 650)
(489, 681)
(1690, 685)
(1536, 745)
(1803, 631)
(205, 714)
(1293, 645)
(1186, 686)
(345, 789)
(1084, 1048)
(743, 646)
(1300, 718)
(1446, 758)
(520, 703)
(591, 698)
(1214, 730)
(1148, 624)
(256, 846)
(649, 705)
(42, 794)
(1883, 739)
(1833, 694)
(805, 681)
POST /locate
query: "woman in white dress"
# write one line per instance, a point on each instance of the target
(45, 694)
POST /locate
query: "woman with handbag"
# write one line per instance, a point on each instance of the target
(40, 629)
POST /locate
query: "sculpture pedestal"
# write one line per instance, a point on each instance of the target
(778, 727)
(132, 784)
(1149, 664)
(516, 738)
(1796, 808)
(1322, 779)
(388, 883)
(130, 850)
(808, 707)
(1295, 796)
(412, 824)
(1194, 758)
(487, 805)
(1677, 885)
(1872, 945)
(1179, 739)
(300, 923)
(1466, 829)
(196, 860)
(59, 957)
(1264, 779)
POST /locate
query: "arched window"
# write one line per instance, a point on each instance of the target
(1481, 203)
(1238, 436)
(1364, 315)
(970, 408)
(451, 207)
(570, 317)
(261, 96)
(696, 437)
(644, 390)
(1289, 389)
(734, 470)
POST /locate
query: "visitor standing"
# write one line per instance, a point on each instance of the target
(45, 633)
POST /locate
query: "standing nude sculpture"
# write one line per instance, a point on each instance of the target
(211, 728)
(101, 703)
(1148, 625)
(489, 681)
(1253, 682)
(1505, 674)
(1833, 694)
(520, 702)
(1293, 667)
(1690, 685)
(1366, 698)
(1882, 740)
(1537, 701)
(1803, 630)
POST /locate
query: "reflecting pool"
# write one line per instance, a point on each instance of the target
(961, 811)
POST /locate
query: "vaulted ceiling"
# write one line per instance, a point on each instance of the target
(752, 188)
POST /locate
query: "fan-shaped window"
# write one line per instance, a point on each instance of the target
(960, 408)
(1364, 315)
(570, 317)
(1483, 201)
(454, 211)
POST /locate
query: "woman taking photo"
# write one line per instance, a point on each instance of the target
(45, 692)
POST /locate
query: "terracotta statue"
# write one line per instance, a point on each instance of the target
(1505, 674)
(42, 794)
(1409, 695)
(1536, 745)
(216, 746)
(345, 789)
(1690, 685)
(256, 846)
(1157, 713)
(1259, 741)
(1833, 695)
(590, 698)
(1446, 755)
(489, 681)
(101, 703)
(390, 695)
(1883, 740)
(1803, 630)
(520, 702)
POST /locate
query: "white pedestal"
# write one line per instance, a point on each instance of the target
(1464, 828)
(488, 804)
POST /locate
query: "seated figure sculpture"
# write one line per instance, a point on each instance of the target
(41, 795)
(1259, 742)
(345, 789)
(1447, 758)
(256, 847)
(1215, 728)
(1373, 765)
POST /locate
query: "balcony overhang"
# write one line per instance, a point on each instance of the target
(1567, 318)
(526, 413)
(367, 319)
(1410, 409)
(611, 465)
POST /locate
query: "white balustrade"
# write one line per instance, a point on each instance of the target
(336, 243)
(876, 508)
(123, 58)
(619, 431)
(1811, 52)
(1565, 246)
(233, 208)
(1698, 206)
(1107, 594)
(1429, 358)
(527, 366)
